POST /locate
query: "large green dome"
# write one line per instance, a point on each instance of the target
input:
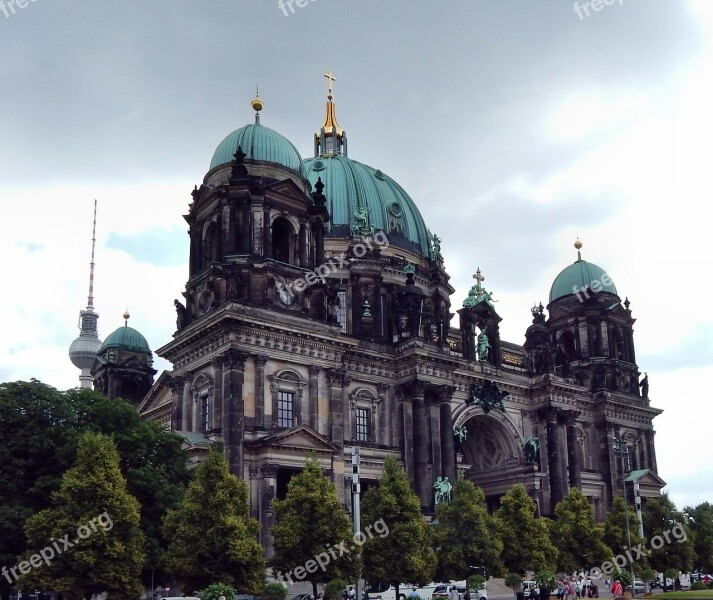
(126, 338)
(580, 276)
(349, 184)
(258, 143)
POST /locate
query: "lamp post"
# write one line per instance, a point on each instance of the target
(622, 450)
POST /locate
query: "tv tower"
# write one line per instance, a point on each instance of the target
(84, 349)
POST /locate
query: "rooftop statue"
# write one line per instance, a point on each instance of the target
(483, 346)
(532, 450)
(478, 293)
(442, 488)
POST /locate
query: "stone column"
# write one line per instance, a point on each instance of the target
(434, 416)
(420, 443)
(448, 452)
(575, 470)
(217, 394)
(245, 229)
(554, 456)
(407, 432)
(176, 402)
(383, 435)
(260, 362)
(266, 233)
(269, 486)
(233, 409)
(187, 402)
(314, 371)
(650, 433)
(338, 380)
(304, 260)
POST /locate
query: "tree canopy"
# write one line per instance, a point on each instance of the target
(99, 520)
(39, 434)
(405, 554)
(308, 522)
(212, 536)
(525, 538)
(466, 535)
(665, 523)
(700, 523)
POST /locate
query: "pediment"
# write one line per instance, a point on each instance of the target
(288, 188)
(650, 483)
(301, 438)
(158, 395)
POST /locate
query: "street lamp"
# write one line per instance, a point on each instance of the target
(622, 450)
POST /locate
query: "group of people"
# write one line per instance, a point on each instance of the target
(567, 589)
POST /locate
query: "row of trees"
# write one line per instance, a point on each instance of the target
(67, 457)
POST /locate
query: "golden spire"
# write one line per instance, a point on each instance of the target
(333, 134)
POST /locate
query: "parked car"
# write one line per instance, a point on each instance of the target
(527, 587)
(639, 586)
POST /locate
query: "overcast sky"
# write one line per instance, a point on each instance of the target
(514, 125)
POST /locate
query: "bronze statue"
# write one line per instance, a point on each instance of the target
(532, 450)
(180, 314)
(644, 385)
(483, 346)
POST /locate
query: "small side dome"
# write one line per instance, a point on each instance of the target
(580, 276)
(126, 338)
(258, 143)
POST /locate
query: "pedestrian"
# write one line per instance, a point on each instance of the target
(578, 588)
(454, 595)
(466, 594)
(351, 594)
(616, 588)
(414, 593)
(544, 591)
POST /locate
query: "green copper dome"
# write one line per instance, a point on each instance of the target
(349, 185)
(580, 276)
(126, 338)
(258, 143)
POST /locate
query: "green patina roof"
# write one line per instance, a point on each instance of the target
(349, 184)
(579, 276)
(126, 338)
(258, 143)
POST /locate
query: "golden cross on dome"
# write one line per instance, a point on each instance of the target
(479, 279)
(330, 79)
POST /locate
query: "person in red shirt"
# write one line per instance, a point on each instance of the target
(616, 588)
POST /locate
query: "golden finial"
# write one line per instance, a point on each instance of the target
(257, 104)
(578, 245)
(330, 79)
(126, 317)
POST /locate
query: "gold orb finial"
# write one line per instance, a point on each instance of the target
(257, 104)
(578, 245)
(126, 315)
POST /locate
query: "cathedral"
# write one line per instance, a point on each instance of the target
(318, 318)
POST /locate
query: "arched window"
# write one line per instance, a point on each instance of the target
(281, 241)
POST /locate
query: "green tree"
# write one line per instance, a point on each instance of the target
(212, 534)
(404, 554)
(700, 523)
(514, 582)
(466, 535)
(576, 536)
(525, 538)
(94, 512)
(216, 590)
(308, 522)
(39, 433)
(615, 532)
(665, 523)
